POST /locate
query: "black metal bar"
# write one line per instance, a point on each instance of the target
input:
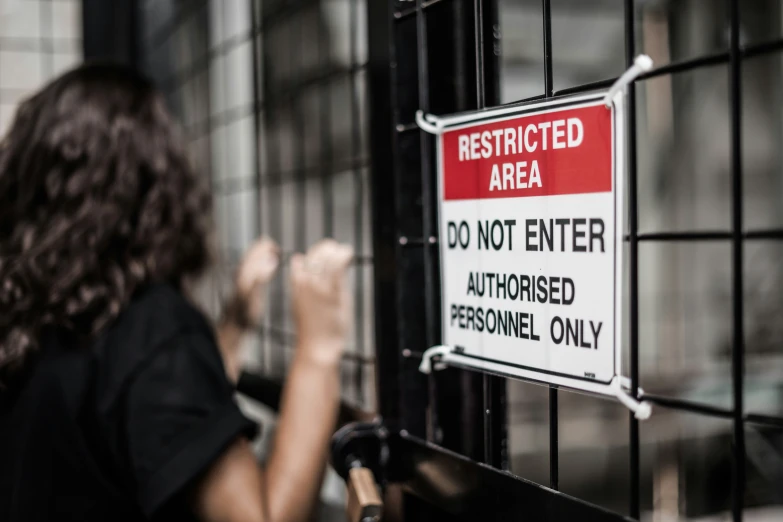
(762, 48)
(487, 391)
(210, 155)
(492, 95)
(297, 113)
(633, 264)
(686, 65)
(549, 87)
(426, 172)
(481, 102)
(585, 87)
(738, 335)
(554, 452)
(358, 184)
(422, 65)
(271, 110)
(689, 406)
(708, 235)
(469, 490)
(407, 13)
(223, 122)
(257, 122)
(764, 420)
(325, 121)
(763, 234)
(382, 60)
(427, 212)
(705, 235)
(681, 66)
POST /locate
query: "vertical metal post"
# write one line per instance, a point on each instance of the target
(554, 453)
(358, 184)
(298, 117)
(383, 147)
(481, 102)
(426, 170)
(738, 340)
(210, 148)
(478, 18)
(432, 314)
(273, 178)
(633, 262)
(326, 132)
(255, 36)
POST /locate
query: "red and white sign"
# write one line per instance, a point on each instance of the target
(530, 214)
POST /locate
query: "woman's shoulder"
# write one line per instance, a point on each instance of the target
(156, 316)
(162, 308)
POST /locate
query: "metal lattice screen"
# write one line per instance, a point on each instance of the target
(703, 230)
(702, 240)
(272, 98)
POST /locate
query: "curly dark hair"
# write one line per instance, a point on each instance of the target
(97, 200)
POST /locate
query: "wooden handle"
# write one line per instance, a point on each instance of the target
(364, 501)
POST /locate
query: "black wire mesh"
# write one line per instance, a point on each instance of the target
(405, 79)
(272, 97)
(443, 56)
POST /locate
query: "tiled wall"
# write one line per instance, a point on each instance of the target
(38, 40)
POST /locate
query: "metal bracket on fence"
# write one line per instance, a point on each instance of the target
(641, 64)
(441, 352)
(428, 123)
(437, 358)
(641, 409)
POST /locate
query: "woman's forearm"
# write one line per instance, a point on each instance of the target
(229, 338)
(307, 417)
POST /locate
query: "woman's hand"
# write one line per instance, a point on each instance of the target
(256, 270)
(321, 303)
(245, 309)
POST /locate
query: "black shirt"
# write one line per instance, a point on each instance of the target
(118, 430)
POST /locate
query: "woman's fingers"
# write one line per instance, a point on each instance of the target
(329, 259)
(259, 265)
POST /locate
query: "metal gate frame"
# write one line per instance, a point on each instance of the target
(406, 252)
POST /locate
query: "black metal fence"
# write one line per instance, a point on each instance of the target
(442, 56)
(328, 90)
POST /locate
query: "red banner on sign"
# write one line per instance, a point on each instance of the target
(543, 154)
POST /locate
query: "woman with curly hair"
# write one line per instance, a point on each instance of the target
(116, 395)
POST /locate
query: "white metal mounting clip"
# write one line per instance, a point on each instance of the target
(441, 352)
(428, 123)
(641, 409)
(641, 64)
